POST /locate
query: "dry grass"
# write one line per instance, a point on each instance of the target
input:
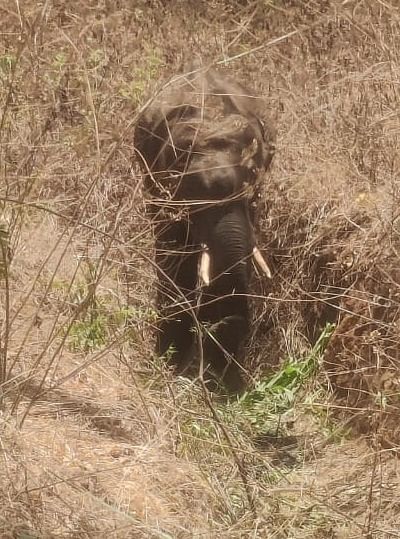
(97, 437)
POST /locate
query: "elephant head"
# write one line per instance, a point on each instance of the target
(205, 143)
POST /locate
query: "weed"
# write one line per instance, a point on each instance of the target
(87, 335)
(96, 58)
(142, 76)
(7, 62)
(262, 406)
(258, 411)
(59, 61)
(134, 315)
(102, 321)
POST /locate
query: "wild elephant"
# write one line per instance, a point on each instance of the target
(204, 143)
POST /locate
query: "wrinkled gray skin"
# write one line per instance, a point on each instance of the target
(206, 141)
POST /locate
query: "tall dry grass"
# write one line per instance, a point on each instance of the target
(97, 437)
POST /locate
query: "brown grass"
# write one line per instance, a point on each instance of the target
(99, 439)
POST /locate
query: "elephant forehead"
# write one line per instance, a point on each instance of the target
(216, 164)
(212, 177)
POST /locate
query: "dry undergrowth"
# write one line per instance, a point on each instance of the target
(99, 439)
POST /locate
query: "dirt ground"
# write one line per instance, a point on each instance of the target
(98, 438)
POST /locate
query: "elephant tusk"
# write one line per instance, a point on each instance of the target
(261, 263)
(205, 264)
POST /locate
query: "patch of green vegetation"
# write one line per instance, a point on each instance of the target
(59, 60)
(60, 284)
(129, 314)
(200, 430)
(7, 62)
(142, 76)
(259, 412)
(101, 321)
(160, 362)
(56, 67)
(262, 406)
(87, 335)
(96, 58)
(27, 534)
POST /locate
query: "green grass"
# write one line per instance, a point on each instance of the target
(135, 89)
(89, 334)
(262, 410)
(102, 320)
(7, 62)
(262, 407)
(102, 323)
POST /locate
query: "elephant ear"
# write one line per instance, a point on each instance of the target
(156, 127)
(164, 136)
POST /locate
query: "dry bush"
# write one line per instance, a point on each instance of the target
(97, 437)
(333, 206)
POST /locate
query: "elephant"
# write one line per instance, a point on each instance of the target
(204, 143)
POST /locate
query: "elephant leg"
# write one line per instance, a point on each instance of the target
(175, 334)
(222, 349)
(224, 339)
(175, 340)
(177, 278)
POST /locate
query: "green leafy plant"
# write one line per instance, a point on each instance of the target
(101, 320)
(86, 335)
(275, 395)
(7, 62)
(135, 89)
(96, 58)
(59, 61)
(259, 411)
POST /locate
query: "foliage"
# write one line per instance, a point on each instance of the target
(142, 76)
(276, 394)
(101, 321)
(7, 62)
(259, 411)
(70, 75)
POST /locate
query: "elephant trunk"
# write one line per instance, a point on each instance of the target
(228, 243)
(230, 247)
(228, 238)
